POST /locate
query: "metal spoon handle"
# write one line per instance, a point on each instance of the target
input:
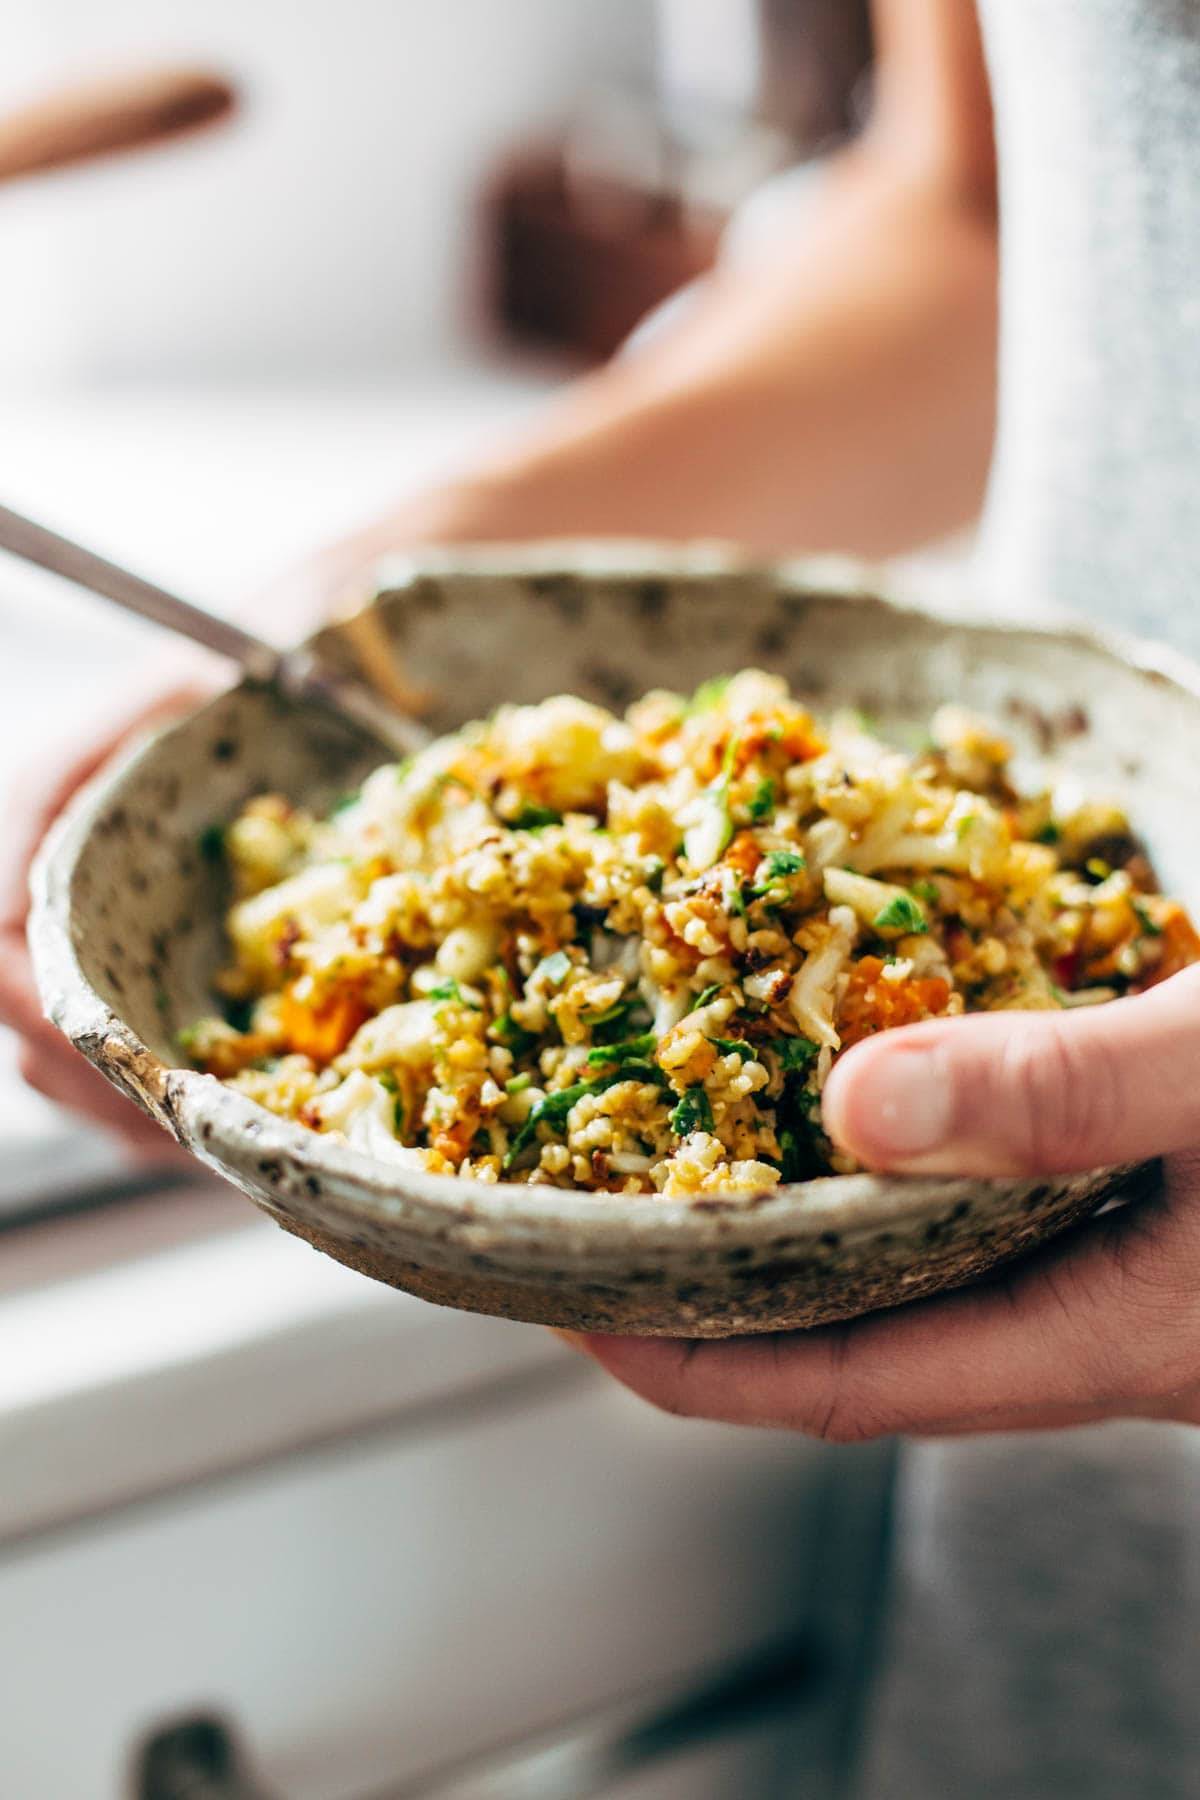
(294, 672)
(36, 544)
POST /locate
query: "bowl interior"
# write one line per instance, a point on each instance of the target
(128, 907)
(146, 903)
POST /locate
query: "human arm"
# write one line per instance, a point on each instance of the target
(837, 394)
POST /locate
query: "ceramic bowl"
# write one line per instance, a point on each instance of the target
(126, 928)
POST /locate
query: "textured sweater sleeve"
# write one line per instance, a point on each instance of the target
(1095, 494)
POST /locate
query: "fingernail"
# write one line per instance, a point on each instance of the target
(904, 1104)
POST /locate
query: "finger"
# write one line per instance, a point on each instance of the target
(1023, 1093)
(1098, 1329)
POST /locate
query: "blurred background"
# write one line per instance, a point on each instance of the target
(266, 1529)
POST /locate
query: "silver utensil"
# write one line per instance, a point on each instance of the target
(296, 673)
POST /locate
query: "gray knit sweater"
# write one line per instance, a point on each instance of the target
(1045, 1634)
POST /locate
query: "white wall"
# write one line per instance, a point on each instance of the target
(328, 230)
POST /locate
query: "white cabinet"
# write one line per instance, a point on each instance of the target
(372, 1609)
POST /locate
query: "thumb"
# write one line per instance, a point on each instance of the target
(1023, 1093)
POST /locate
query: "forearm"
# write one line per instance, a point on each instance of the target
(841, 398)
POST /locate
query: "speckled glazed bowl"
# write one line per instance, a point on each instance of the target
(127, 919)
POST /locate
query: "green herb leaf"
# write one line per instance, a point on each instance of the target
(1049, 833)
(777, 867)
(506, 1031)
(783, 862)
(709, 694)
(927, 891)
(692, 1113)
(615, 1053)
(734, 1047)
(533, 818)
(1147, 923)
(902, 914)
(762, 802)
(388, 1081)
(796, 1116)
(630, 1015)
(450, 990)
(552, 1110)
(704, 996)
(516, 1084)
(798, 1158)
(211, 843)
(794, 1053)
(656, 870)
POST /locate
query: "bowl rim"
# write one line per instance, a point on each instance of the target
(230, 1132)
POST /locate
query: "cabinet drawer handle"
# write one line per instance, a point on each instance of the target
(199, 1759)
(196, 1759)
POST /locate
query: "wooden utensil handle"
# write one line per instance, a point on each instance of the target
(100, 118)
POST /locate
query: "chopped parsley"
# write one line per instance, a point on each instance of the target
(615, 1053)
(704, 996)
(533, 818)
(388, 1080)
(617, 1010)
(516, 1084)
(693, 1113)
(762, 802)
(927, 891)
(237, 1013)
(709, 694)
(795, 1053)
(552, 1109)
(733, 1047)
(778, 866)
(1145, 920)
(795, 1124)
(507, 1032)
(901, 914)
(450, 990)
(211, 843)
(1049, 833)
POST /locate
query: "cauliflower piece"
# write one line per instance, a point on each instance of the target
(565, 751)
(362, 1112)
(813, 992)
(467, 951)
(300, 905)
(887, 909)
(699, 1167)
(399, 1034)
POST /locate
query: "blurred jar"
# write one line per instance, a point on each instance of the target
(327, 231)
